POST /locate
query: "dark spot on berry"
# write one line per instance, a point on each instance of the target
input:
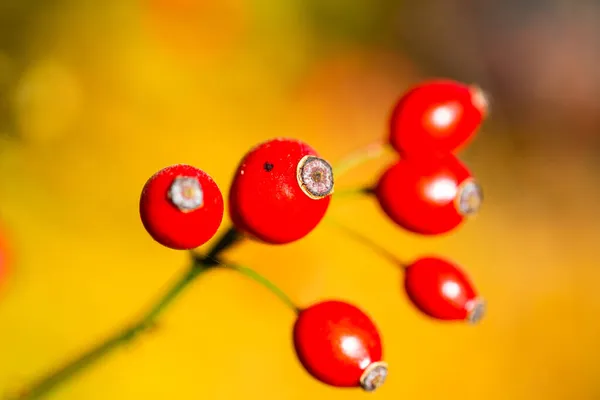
(268, 166)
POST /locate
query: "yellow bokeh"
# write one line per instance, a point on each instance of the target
(99, 113)
(47, 101)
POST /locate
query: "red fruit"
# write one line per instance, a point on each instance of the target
(441, 290)
(181, 207)
(339, 345)
(5, 259)
(436, 116)
(429, 195)
(280, 191)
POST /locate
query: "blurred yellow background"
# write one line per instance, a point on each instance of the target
(97, 96)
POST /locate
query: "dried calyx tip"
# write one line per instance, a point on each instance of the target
(476, 310)
(315, 177)
(374, 376)
(480, 100)
(469, 198)
(186, 193)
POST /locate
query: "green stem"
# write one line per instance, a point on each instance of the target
(370, 152)
(354, 192)
(255, 276)
(366, 241)
(230, 238)
(50, 382)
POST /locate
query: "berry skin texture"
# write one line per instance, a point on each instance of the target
(429, 195)
(280, 191)
(339, 345)
(181, 207)
(436, 116)
(441, 290)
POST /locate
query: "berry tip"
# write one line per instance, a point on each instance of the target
(315, 177)
(480, 100)
(469, 198)
(374, 376)
(186, 193)
(476, 310)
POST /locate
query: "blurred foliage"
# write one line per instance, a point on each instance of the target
(361, 22)
(19, 22)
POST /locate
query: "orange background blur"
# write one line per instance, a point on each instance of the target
(97, 96)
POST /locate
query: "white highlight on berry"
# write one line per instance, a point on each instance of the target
(442, 190)
(364, 363)
(469, 198)
(186, 193)
(374, 376)
(350, 345)
(443, 116)
(451, 289)
(315, 177)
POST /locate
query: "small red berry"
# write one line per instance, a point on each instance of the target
(436, 116)
(339, 345)
(429, 195)
(440, 289)
(181, 207)
(281, 191)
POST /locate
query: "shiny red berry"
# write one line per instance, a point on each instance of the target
(181, 207)
(436, 116)
(339, 345)
(441, 290)
(429, 195)
(281, 191)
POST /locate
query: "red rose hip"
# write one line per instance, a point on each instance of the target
(436, 116)
(441, 290)
(429, 195)
(181, 207)
(280, 191)
(339, 345)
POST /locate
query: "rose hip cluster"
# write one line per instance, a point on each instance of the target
(282, 189)
(429, 191)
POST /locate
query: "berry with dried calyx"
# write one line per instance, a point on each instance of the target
(437, 116)
(441, 290)
(280, 191)
(429, 195)
(181, 207)
(338, 344)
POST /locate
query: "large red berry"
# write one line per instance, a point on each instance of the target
(181, 207)
(429, 195)
(339, 345)
(441, 290)
(281, 191)
(436, 116)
